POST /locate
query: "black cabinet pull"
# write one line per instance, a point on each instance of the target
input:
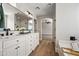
(17, 40)
(16, 48)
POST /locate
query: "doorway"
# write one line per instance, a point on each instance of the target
(47, 28)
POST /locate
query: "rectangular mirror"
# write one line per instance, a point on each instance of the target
(14, 19)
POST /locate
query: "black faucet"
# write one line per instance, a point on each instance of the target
(7, 31)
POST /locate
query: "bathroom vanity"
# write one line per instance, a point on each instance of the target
(18, 45)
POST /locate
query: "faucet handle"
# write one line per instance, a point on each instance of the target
(2, 34)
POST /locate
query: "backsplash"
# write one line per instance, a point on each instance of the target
(1, 29)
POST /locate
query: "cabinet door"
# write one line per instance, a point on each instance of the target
(28, 45)
(31, 42)
(9, 43)
(0, 47)
(10, 51)
(0, 44)
(0, 52)
(37, 38)
(21, 49)
(20, 38)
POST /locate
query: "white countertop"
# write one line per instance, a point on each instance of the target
(10, 37)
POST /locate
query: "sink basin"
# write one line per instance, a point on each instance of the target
(24, 32)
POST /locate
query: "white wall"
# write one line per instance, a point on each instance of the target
(47, 29)
(39, 26)
(10, 21)
(67, 21)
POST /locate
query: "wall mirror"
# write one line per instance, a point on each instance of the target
(12, 18)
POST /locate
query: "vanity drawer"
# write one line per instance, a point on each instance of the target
(9, 43)
(0, 45)
(20, 39)
(22, 44)
(0, 52)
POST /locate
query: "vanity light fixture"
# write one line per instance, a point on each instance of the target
(27, 12)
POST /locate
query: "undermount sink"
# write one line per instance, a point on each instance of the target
(24, 32)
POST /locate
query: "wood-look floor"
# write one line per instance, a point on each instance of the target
(45, 48)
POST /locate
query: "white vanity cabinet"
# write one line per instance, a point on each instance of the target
(14, 46)
(10, 51)
(15, 50)
(20, 45)
(9, 46)
(0, 47)
(28, 49)
(21, 49)
(32, 40)
(36, 39)
(29, 43)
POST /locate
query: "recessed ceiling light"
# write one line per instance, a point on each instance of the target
(37, 8)
(49, 4)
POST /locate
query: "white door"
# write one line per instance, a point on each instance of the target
(10, 51)
(47, 28)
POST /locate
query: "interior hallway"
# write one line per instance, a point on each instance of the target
(45, 48)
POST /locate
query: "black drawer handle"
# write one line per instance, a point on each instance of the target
(17, 40)
(16, 48)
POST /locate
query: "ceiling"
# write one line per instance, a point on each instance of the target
(38, 9)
